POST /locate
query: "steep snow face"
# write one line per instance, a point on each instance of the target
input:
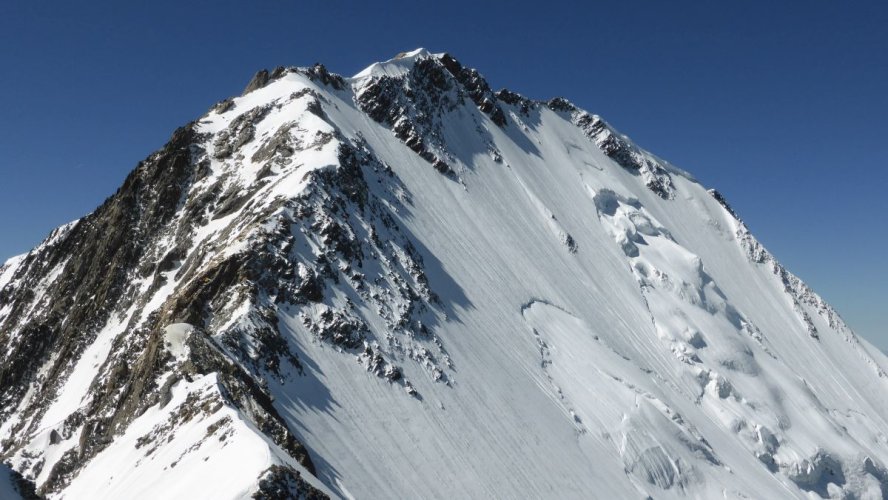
(403, 284)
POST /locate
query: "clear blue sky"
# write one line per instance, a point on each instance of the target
(783, 106)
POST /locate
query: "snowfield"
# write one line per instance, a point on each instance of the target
(437, 291)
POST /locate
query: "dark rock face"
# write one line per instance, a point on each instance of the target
(96, 259)
(656, 177)
(561, 105)
(259, 80)
(723, 202)
(96, 255)
(279, 482)
(414, 104)
(523, 104)
(319, 73)
(241, 131)
(476, 87)
(245, 392)
(617, 147)
(376, 264)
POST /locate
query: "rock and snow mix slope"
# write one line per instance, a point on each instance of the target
(404, 284)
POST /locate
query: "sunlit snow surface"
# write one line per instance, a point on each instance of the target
(606, 342)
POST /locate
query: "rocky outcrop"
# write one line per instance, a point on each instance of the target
(476, 87)
(92, 260)
(280, 483)
(723, 202)
(135, 263)
(94, 263)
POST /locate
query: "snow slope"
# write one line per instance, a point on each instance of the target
(448, 292)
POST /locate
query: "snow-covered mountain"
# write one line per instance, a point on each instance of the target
(406, 285)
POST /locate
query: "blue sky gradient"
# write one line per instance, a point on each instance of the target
(780, 105)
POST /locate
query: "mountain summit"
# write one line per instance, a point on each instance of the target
(407, 285)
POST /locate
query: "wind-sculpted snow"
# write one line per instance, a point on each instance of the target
(406, 285)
